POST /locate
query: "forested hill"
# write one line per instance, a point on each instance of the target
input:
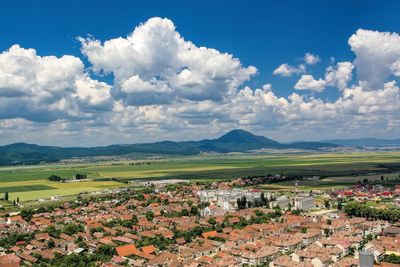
(233, 141)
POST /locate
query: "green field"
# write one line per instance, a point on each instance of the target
(34, 178)
(25, 188)
(46, 189)
(390, 180)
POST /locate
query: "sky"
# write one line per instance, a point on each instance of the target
(88, 73)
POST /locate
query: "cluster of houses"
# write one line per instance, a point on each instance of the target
(164, 229)
(362, 192)
(226, 200)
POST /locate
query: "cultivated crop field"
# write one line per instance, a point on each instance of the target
(390, 180)
(31, 182)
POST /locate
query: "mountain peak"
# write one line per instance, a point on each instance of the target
(237, 135)
(242, 136)
(234, 141)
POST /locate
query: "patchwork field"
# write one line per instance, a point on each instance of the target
(30, 182)
(390, 179)
(28, 190)
(24, 188)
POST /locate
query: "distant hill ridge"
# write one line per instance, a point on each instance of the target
(365, 142)
(233, 141)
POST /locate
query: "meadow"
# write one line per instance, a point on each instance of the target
(31, 182)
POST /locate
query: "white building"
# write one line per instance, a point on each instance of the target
(305, 203)
(280, 202)
(227, 199)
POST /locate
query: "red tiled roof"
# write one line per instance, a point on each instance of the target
(9, 260)
(126, 250)
(209, 234)
(180, 241)
(148, 249)
(234, 220)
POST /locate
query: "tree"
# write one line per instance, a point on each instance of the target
(194, 210)
(339, 205)
(6, 196)
(327, 232)
(263, 199)
(242, 202)
(212, 221)
(239, 203)
(50, 243)
(79, 176)
(53, 232)
(184, 212)
(296, 212)
(327, 204)
(392, 258)
(55, 178)
(71, 229)
(106, 250)
(362, 210)
(267, 203)
(150, 215)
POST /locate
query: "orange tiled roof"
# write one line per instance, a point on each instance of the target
(148, 249)
(209, 234)
(126, 250)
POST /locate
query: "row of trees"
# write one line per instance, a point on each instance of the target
(69, 229)
(10, 239)
(7, 198)
(56, 178)
(392, 258)
(362, 210)
(102, 254)
(242, 202)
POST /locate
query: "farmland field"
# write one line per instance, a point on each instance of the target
(334, 182)
(24, 188)
(46, 189)
(30, 182)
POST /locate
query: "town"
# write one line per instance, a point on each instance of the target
(226, 223)
(200, 133)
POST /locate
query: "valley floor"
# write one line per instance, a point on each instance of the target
(338, 170)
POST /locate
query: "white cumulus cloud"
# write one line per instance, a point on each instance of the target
(307, 82)
(376, 56)
(166, 87)
(286, 70)
(45, 88)
(155, 55)
(311, 59)
(340, 75)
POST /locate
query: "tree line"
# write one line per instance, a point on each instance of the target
(243, 203)
(56, 178)
(364, 211)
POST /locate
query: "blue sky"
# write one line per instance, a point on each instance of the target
(260, 33)
(263, 34)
